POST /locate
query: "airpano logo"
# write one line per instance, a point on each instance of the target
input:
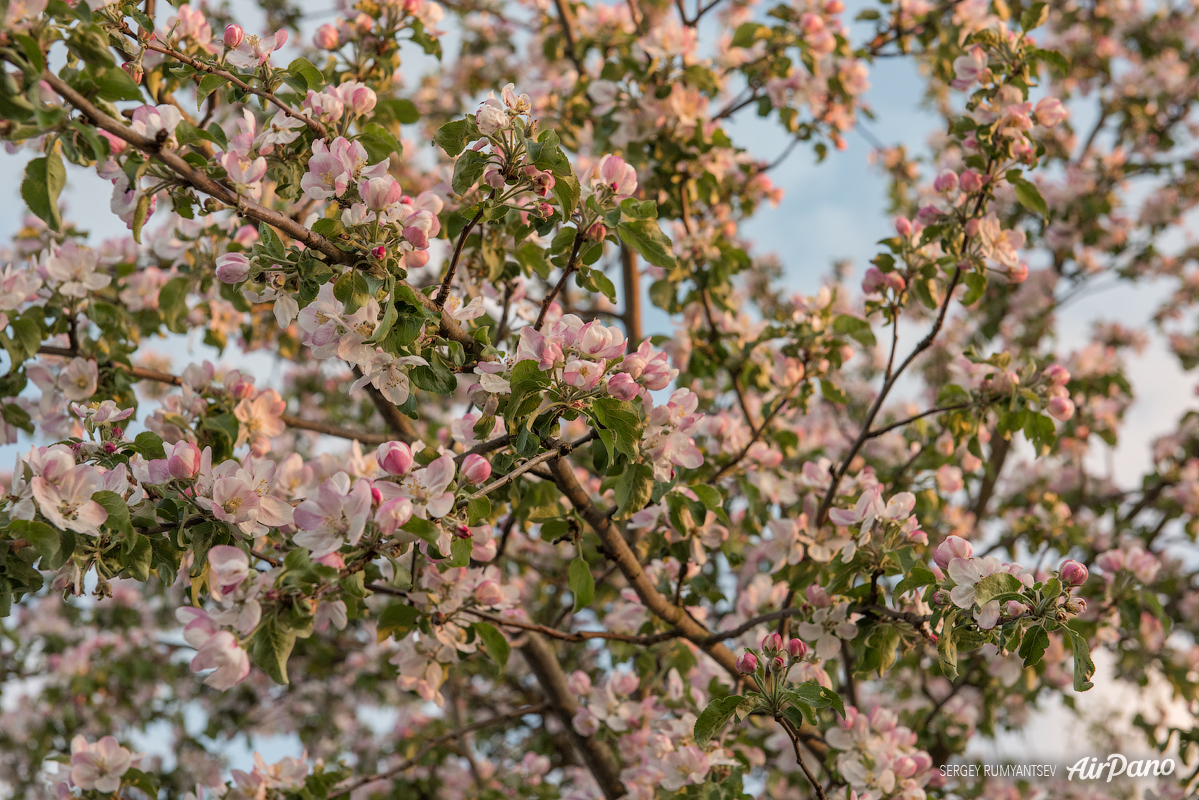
(1116, 765)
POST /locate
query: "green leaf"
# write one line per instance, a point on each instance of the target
(620, 417)
(149, 444)
(714, 718)
(818, 696)
(996, 585)
(44, 179)
(172, 304)
(477, 510)
(1034, 16)
(1084, 667)
(305, 68)
(208, 85)
(493, 642)
(1030, 197)
(396, 620)
(453, 136)
(1032, 649)
(644, 236)
(582, 583)
(423, 530)
(856, 328)
(33, 53)
(115, 84)
(832, 393)
(434, 378)
(28, 334)
(118, 512)
(459, 552)
(634, 489)
(919, 575)
(567, 192)
(947, 649)
(379, 142)
(141, 554)
(468, 169)
(271, 648)
(976, 285)
(710, 496)
(745, 34)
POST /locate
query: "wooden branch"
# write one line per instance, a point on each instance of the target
(578, 636)
(619, 552)
(436, 742)
(566, 273)
(632, 296)
(449, 327)
(147, 374)
(561, 449)
(596, 754)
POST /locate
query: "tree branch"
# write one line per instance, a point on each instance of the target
(449, 327)
(619, 552)
(596, 754)
(432, 744)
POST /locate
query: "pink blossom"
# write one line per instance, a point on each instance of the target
(395, 458)
(336, 515)
(953, 547)
(228, 567)
(252, 52)
(68, 504)
(99, 766)
(475, 469)
(326, 37)
(234, 35)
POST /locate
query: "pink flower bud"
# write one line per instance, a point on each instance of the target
(797, 649)
(232, 268)
(946, 182)
(622, 386)
(928, 214)
(1050, 112)
(379, 252)
(1060, 408)
(416, 259)
(953, 547)
(777, 664)
(1076, 605)
(747, 664)
(1073, 573)
(184, 461)
(228, 567)
(894, 282)
(579, 682)
(326, 37)
(416, 237)
(597, 232)
(873, 281)
(394, 458)
(817, 595)
(941, 597)
(1057, 375)
(234, 35)
(970, 181)
(380, 193)
(475, 468)
(772, 643)
(332, 560)
(625, 683)
(903, 226)
(1018, 274)
(363, 100)
(489, 593)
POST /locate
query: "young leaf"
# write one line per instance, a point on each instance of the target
(44, 179)
(714, 717)
(582, 584)
(493, 642)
